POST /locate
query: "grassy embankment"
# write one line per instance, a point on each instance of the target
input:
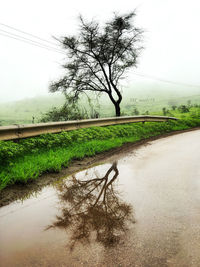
(29, 158)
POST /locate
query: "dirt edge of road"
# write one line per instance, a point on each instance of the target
(21, 192)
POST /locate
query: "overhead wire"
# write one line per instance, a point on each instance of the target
(54, 49)
(165, 81)
(29, 41)
(27, 33)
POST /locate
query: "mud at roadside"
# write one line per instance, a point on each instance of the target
(24, 191)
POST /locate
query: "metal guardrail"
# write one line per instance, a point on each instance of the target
(28, 130)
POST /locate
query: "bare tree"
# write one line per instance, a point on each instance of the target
(98, 58)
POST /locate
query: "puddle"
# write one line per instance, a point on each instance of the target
(138, 209)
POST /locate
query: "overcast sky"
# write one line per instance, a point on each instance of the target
(172, 40)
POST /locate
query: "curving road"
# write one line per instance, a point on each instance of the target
(141, 208)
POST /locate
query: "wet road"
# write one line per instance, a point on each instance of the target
(138, 209)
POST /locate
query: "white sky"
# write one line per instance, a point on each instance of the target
(172, 40)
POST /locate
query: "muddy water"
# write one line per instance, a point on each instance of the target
(138, 209)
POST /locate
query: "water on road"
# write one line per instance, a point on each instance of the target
(141, 208)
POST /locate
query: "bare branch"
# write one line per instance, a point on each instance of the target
(98, 57)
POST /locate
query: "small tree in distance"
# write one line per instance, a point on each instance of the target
(98, 57)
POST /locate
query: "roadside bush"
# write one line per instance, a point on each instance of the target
(183, 109)
(10, 150)
(29, 158)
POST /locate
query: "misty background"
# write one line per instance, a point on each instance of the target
(168, 67)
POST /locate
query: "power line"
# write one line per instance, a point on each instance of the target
(5, 35)
(50, 48)
(30, 34)
(165, 81)
(29, 41)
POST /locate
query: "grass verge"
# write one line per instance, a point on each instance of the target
(27, 160)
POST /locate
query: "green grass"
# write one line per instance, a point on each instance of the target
(27, 160)
(149, 97)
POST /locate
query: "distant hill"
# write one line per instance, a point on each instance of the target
(23, 111)
(150, 97)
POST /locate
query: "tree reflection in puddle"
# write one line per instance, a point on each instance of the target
(93, 207)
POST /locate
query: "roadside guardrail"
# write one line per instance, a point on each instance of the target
(17, 131)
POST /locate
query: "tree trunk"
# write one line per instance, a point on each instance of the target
(117, 109)
(116, 104)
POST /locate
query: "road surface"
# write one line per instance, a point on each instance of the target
(141, 208)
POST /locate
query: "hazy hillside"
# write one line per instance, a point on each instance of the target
(151, 97)
(23, 111)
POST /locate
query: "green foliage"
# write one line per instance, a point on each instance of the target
(135, 111)
(164, 111)
(157, 97)
(8, 151)
(183, 108)
(174, 107)
(29, 158)
(69, 111)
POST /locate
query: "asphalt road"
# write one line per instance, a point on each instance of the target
(141, 208)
